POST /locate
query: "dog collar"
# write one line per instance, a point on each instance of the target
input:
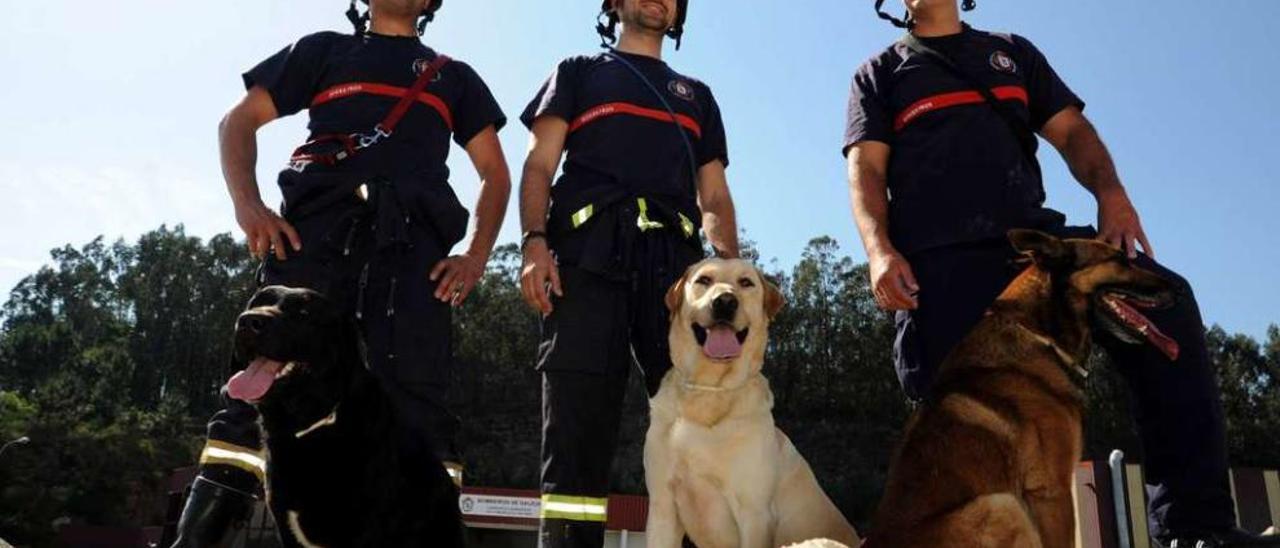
(1069, 362)
(327, 421)
(694, 387)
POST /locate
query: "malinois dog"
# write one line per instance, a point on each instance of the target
(988, 460)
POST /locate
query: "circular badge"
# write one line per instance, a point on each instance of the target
(681, 89)
(1003, 63)
(467, 505)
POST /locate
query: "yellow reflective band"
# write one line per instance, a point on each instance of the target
(574, 508)
(583, 215)
(643, 220)
(687, 225)
(455, 472)
(249, 460)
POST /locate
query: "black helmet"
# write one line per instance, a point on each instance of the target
(608, 21)
(360, 20)
(906, 22)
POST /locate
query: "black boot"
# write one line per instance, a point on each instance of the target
(213, 515)
(1225, 538)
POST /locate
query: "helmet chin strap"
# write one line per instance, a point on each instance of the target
(676, 35)
(906, 22)
(358, 20)
(607, 28)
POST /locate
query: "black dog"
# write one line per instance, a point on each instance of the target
(342, 472)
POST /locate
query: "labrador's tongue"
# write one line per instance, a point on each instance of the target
(253, 383)
(722, 343)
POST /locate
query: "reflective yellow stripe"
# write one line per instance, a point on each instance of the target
(455, 472)
(574, 508)
(249, 460)
(583, 215)
(687, 225)
(643, 220)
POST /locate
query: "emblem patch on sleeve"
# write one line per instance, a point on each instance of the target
(1003, 63)
(681, 89)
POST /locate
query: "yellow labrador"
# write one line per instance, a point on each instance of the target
(716, 466)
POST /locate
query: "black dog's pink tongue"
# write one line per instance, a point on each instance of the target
(722, 343)
(253, 383)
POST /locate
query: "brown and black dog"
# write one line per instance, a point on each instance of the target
(989, 459)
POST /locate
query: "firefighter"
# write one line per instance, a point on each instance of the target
(940, 171)
(368, 217)
(644, 170)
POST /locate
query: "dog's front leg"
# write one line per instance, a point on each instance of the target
(664, 529)
(756, 525)
(1055, 517)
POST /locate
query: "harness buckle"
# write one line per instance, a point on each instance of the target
(369, 139)
(298, 165)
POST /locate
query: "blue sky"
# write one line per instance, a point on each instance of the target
(109, 112)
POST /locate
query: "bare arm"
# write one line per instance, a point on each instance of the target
(869, 194)
(719, 221)
(546, 146)
(892, 280)
(238, 147)
(1090, 163)
(459, 275)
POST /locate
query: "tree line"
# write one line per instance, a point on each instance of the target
(112, 356)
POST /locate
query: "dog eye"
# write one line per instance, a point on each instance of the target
(703, 280)
(746, 282)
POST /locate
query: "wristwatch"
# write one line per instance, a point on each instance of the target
(531, 235)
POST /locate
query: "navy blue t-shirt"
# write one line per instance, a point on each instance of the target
(350, 82)
(956, 171)
(619, 131)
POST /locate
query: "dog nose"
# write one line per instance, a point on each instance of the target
(724, 307)
(253, 323)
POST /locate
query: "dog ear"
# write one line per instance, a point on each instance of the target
(675, 294)
(1046, 251)
(773, 298)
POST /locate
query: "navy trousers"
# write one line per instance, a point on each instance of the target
(1177, 405)
(597, 331)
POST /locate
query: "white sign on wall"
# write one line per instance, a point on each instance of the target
(500, 507)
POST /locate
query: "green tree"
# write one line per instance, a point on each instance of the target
(111, 359)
